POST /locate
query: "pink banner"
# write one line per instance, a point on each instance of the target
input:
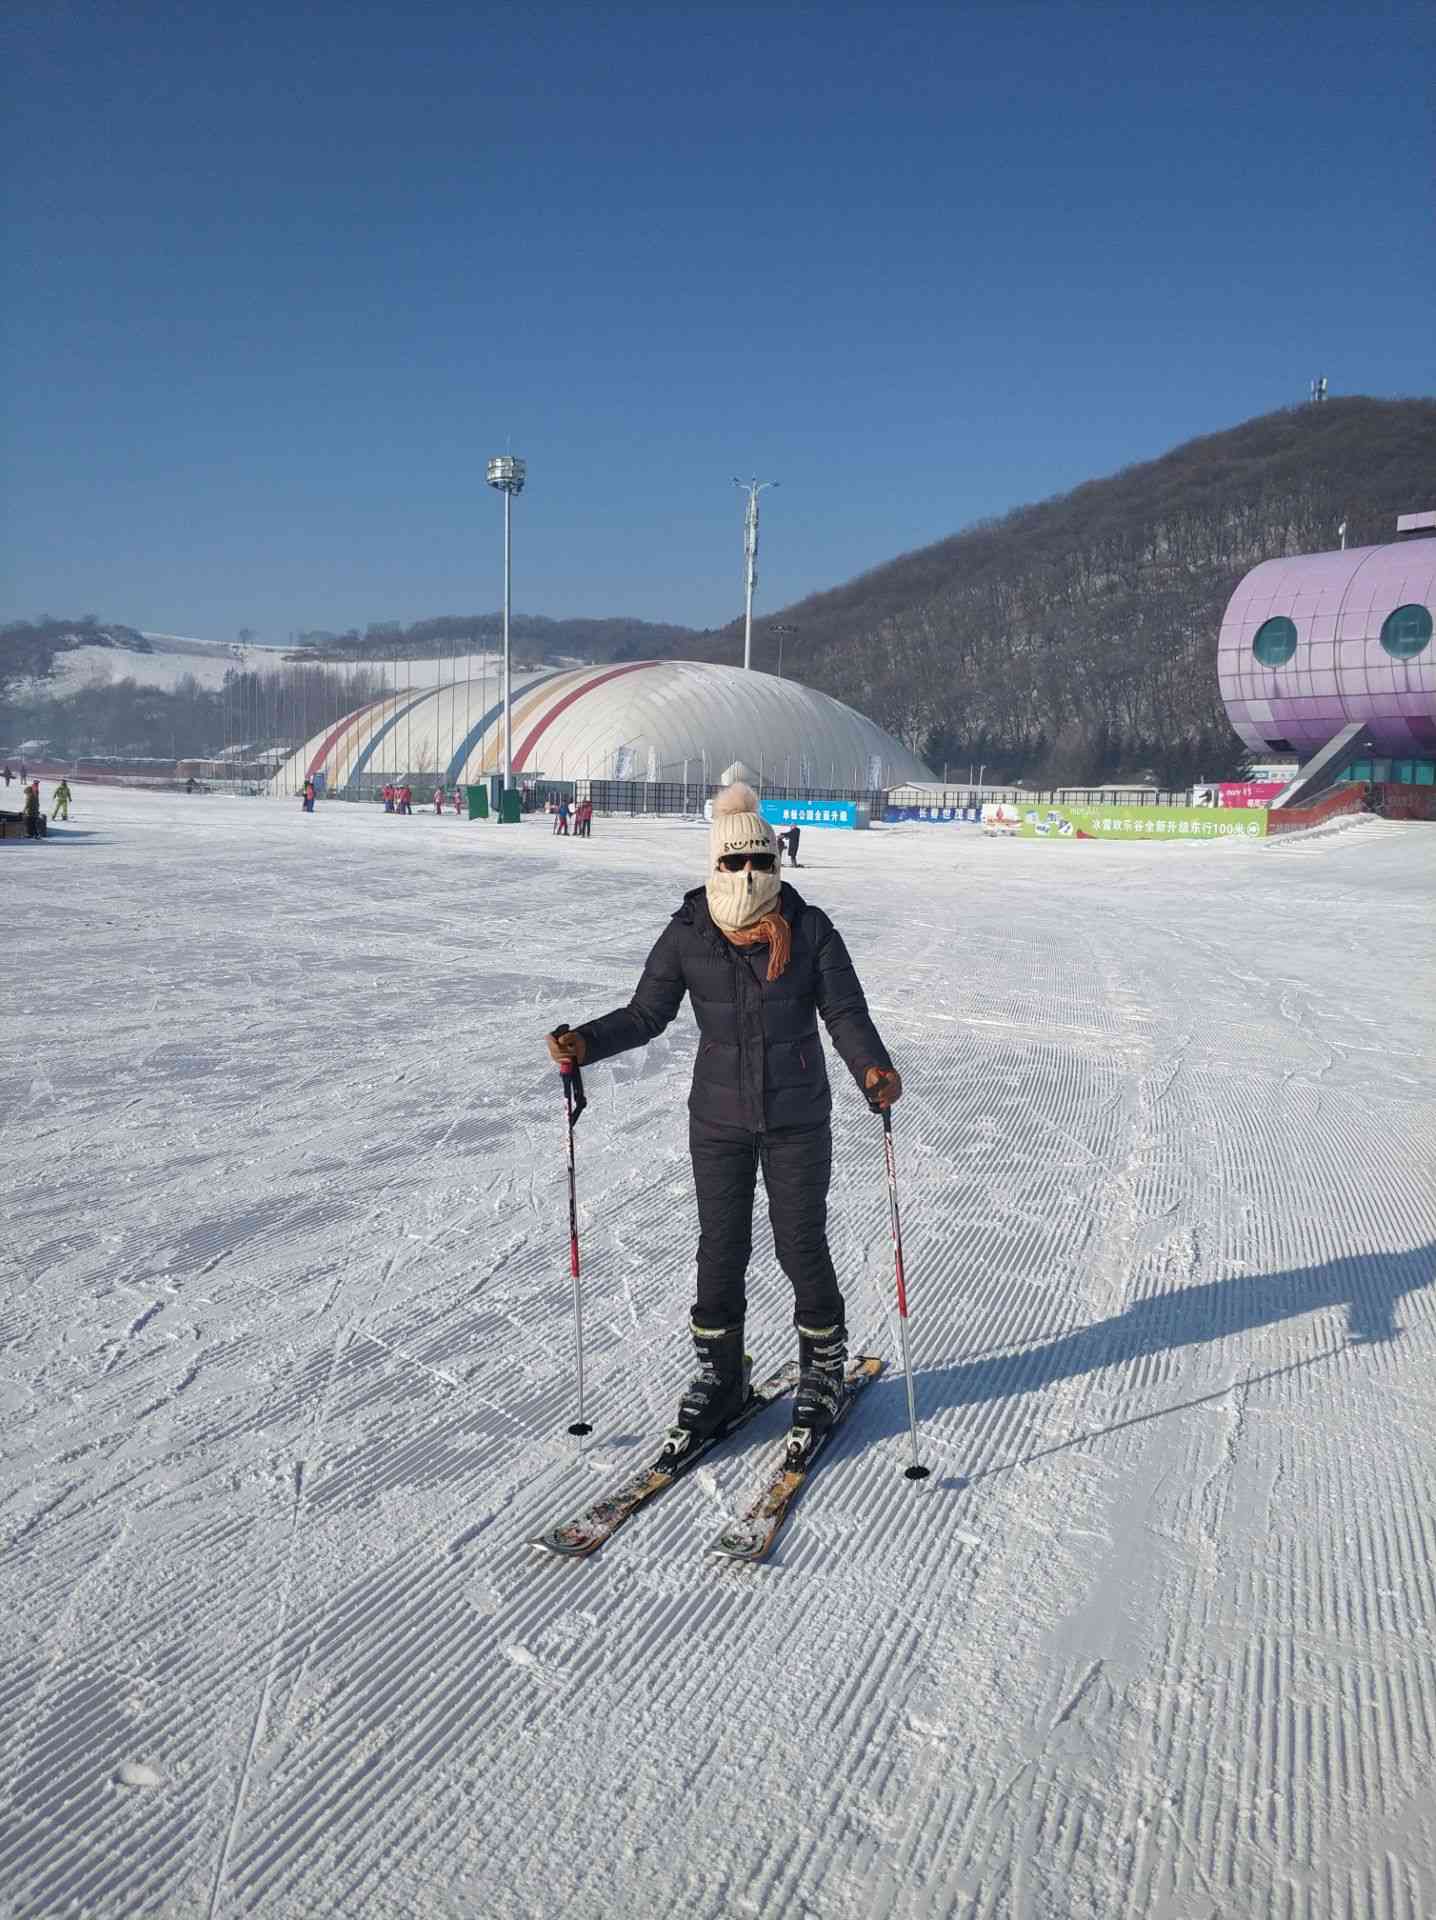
(1248, 793)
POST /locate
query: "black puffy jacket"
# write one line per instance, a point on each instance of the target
(760, 1062)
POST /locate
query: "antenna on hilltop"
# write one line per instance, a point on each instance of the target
(1318, 390)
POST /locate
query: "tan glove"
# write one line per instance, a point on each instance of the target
(567, 1046)
(883, 1086)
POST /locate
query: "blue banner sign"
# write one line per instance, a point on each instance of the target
(811, 813)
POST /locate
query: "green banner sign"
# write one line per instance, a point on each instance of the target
(1140, 823)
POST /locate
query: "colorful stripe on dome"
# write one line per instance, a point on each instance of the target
(474, 737)
(352, 744)
(562, 706)
(340, 729)
(383, 733)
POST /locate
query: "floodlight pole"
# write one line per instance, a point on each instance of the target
(508, 677)
(507, 476)
(750, 559)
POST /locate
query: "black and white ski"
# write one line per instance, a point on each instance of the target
(751, 1535)
(587, 1531)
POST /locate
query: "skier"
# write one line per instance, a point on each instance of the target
(60, 801)
(308, 805)
(32, 811)
(792, 837)
(388, 797)
(761, 965)
(439, 800)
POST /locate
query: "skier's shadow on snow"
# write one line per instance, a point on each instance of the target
(1369, 1286)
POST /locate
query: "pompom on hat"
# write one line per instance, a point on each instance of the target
(737, 900)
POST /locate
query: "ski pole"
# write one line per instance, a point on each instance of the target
(574, 1103)
(916, 1471)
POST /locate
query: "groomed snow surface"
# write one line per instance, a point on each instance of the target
(287, 1367)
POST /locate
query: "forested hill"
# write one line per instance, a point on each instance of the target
(536, 638)
(1077, 637)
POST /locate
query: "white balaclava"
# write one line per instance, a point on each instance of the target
(737, 900)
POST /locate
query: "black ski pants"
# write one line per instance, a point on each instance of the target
(797, 1165)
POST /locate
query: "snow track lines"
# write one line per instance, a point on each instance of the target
(285, 1368)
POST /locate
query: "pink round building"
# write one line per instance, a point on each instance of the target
(1314, 642)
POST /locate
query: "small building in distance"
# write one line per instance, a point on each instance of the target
(1321, 642)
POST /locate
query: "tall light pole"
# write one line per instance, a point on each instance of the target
(507, 475)
(781, 631)
(750, 558)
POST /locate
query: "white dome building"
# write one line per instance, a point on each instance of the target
(668, 720)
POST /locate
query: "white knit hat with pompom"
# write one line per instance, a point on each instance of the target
(736, 900)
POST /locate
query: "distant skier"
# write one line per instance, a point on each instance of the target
(9, 775)
(32, 811)
(438, 799)
(761, 965)
(792, 837)
(308, 796)
(60, 802)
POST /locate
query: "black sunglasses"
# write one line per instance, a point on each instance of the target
(735, 862)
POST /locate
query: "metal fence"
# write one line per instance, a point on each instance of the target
(688, 797)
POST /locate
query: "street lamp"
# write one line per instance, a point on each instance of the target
(780, 631)
(507, 475)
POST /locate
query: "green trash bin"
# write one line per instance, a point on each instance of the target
(478, 803)
(512, 807)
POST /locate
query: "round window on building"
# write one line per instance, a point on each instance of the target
(1406, 632)
(1275, 641)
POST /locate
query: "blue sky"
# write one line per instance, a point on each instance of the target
(279, 280)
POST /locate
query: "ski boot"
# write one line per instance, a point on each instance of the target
(822, 1366)
(710, 1401)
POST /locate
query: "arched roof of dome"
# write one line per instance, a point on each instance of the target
(608, 722)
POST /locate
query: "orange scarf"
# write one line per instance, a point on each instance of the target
(775, 930)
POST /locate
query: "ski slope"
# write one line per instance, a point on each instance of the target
(210, 662)
(286, 1367)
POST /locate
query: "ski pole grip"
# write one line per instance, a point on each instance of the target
(572, 1078)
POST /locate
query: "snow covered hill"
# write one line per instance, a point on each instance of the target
(208, 662)
(287, 1370)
